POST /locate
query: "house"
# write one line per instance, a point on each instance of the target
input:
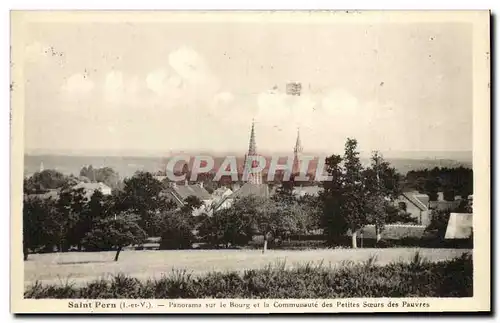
(251, 189)
(179, 193)
(247, 189)
(90, 188)
(416, 204)
(221, 192)
(459, 226)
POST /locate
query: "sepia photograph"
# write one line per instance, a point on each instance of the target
(250, 162)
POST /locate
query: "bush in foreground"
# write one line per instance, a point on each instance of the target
(418, 278)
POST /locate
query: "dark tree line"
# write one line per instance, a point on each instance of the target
(450, 181)
(101, 222)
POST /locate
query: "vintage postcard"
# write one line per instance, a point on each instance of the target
(250, 162)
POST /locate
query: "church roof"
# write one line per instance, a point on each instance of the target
(417, 199)
(248, 189)
(183, 191)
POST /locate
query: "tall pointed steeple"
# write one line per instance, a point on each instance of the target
(297, 152)
(298, 144)
(252, 147)
(254, 178)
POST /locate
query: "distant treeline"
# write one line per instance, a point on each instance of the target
(450, 181)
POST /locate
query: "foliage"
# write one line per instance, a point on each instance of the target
(191, 203)
(176, 230)
(397, 215)
(70, 206)
(419, 278)
(106, 175)
(41, 182)
(115, 232)
(141, 195)
(40, 224)
(352, 205)
(451, 181)
(313, 211)
(381, 186)
(333, 221)
(431, 188)
(226, 227)
(439, 222)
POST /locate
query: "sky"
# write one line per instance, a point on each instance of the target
(170, 86)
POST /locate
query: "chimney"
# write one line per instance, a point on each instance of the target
(186, 182)
(201, 184)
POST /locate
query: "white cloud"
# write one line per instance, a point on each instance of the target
(164, 85)
(186, 81)
(155, 81)
(77, 85)
(190, 66)
(120, 88)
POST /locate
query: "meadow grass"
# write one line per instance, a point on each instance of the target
(416, 278)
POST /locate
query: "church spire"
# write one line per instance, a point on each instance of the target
(254, 178)
(252, 147)
(297, 151)
(298, 144)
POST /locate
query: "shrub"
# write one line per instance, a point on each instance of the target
(417, 278)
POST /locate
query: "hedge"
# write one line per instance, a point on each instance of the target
(418, 278)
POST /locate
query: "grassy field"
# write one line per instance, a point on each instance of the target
(82, 267)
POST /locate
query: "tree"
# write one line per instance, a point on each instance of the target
(191, 203)
(449, 194)
(45, 180)
(313, 209)
(285, 190)
(38, 224)
(141, 195)
(177, 230)
(459, 180)
(70, 206)
(274, 219)
(106, 175)
(381, 186)
(398, 215)
(352, 206)
(431, 188)
(333, 221)
(115, 232)
(98, 207)
(439, 222)
(227, 227)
